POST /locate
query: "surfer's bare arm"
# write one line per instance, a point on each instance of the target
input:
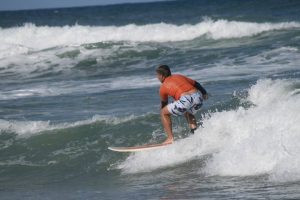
(201, 89)
(166, 118)
(163, 103)
(167, 123)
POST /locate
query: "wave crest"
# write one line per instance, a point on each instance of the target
(31, 37)
(28, 128)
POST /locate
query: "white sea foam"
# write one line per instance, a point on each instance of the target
(263, 139)
(28, 128)
(30, 37)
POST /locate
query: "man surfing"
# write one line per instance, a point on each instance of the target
(185, 92)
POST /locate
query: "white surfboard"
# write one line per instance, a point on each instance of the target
(137, 148)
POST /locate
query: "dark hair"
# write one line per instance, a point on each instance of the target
(164, 70)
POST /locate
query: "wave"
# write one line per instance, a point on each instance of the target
(48, 144)
(79, 87)
(262, 139)
(246, 141)
(30, 37)
(28, 128)
(251, 67)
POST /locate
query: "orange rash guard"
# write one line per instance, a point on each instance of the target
(174, 86)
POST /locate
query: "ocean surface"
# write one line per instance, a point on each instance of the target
(75, 81)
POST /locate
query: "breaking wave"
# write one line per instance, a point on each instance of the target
(261, 139)
(30, 37)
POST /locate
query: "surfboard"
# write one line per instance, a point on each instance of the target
(137, 148)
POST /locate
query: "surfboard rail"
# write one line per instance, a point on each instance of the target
(137, 148)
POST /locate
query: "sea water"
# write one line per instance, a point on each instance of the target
(75, 81)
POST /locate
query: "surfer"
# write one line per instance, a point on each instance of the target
(185, 92)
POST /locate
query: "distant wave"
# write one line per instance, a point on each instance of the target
(31, 37)
(264, 63)
(28, 128)
(75, 87)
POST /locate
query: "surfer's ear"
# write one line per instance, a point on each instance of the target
(160, 77)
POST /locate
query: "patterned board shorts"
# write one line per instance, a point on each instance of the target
(188, 103)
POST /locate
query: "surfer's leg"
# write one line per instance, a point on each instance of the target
(196, 104)
(191, 121)
(167, 123)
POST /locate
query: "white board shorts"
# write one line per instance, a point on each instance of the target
(187, 103)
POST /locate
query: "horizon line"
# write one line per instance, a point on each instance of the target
(83, 6)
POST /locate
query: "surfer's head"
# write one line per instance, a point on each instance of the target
(163, 72)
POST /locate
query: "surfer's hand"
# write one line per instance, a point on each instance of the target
(205, 96)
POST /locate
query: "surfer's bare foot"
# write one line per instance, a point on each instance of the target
(168, 141)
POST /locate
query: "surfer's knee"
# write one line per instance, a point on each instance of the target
(164, 111)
